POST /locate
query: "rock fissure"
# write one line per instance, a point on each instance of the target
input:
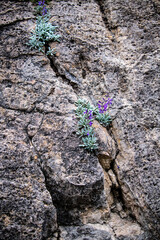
(63, 73)
(103, 13)
(109, 26)
(14, 22)
(116, 187)
(16, 109)
(58, 234)
(48, 230)
(109, 46)
(112, 187)
(117, 190)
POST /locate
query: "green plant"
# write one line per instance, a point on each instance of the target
(50, 51)
(44, 31)
(85, 114)
(41, 10)
(103, 118)
(89, 143)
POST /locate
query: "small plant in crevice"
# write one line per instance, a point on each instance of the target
(85, 114)
(102, 116)
(44, 31)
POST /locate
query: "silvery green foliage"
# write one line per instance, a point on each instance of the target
(103, 118)
(39, 9)
(43, 33)
(85, 114)
(50, 51)
(101, 114)
(89, 143)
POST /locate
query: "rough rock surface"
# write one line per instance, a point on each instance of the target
(106, 46)
(74, 177)
(117, 227)
(26, 210)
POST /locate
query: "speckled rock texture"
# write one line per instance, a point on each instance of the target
(26, 209)
(51, 189)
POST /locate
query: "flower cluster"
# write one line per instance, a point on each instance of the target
(102, 116)
(85, 114)
(42, 7)
(104, 104)
(41, 3)
(89, 116)
(44, 31)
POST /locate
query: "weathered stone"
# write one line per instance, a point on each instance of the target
(106, 46)
(88, 232)
(124, 62)
(124, 228)
(73, 180)
(34, 124)
(26, 210)
(108, 189)
(107, 147)
(97, 216)
(113, 178)
(115, 230)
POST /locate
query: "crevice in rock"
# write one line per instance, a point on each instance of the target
(118, 205)
(117, 191)
(104, 15)
(83, 63)
(14, 22)
(64, 74)
(17, 109)
(49, 234)
(102, 10)
(58, 234)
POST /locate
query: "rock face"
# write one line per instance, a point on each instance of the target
(26, 209)
(74, 177)
(52, 188)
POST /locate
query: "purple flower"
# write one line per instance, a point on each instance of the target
(103, 105)
(41, 3)
(87, 133)
(85, 111)
(90, 114)
(44, 11)
(90, 123)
